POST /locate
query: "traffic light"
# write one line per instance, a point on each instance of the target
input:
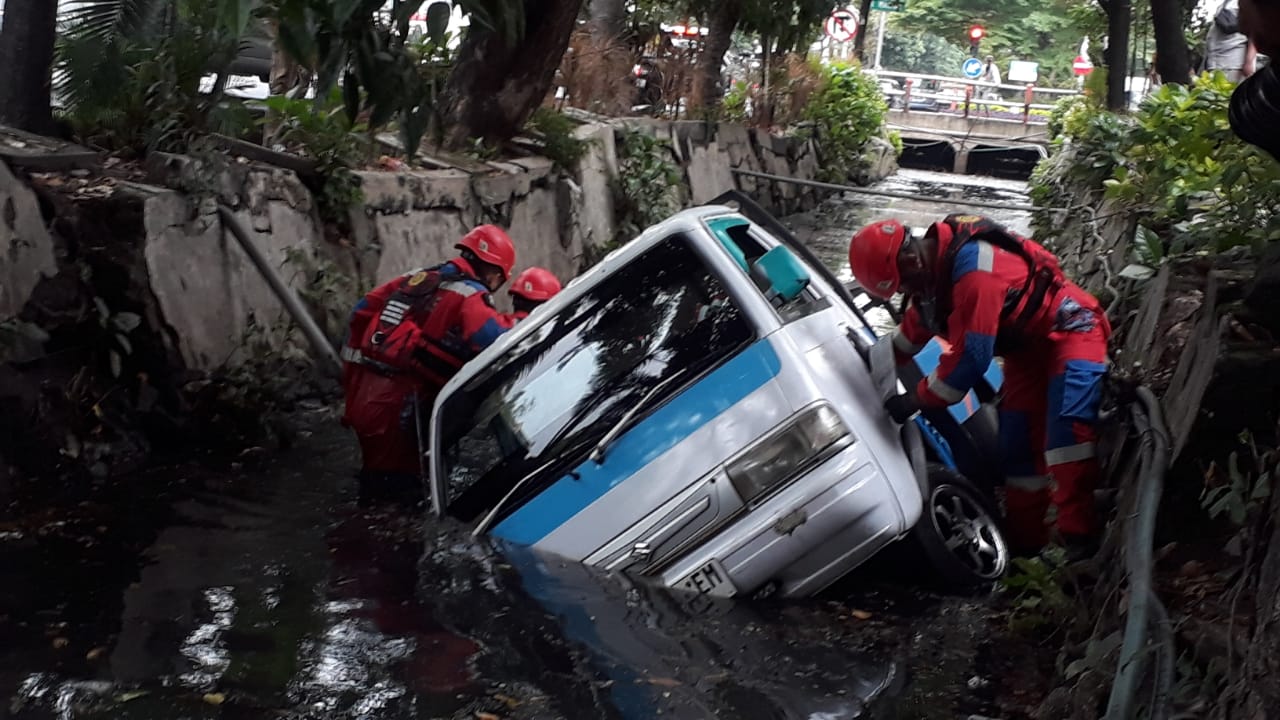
(976, 33)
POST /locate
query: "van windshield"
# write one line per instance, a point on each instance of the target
(544, 402)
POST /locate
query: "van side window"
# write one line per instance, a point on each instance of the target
(753, 248)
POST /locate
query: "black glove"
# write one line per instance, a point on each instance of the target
(901, 408)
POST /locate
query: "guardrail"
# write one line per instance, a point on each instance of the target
(969, 98)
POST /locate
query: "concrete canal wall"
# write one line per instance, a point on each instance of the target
(202, 294)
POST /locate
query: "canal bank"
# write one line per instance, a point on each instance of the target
(251, 587)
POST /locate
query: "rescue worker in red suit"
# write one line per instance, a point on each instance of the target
(530, 289)
(406, 339)
(988, 292)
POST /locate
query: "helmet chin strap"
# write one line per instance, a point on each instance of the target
(923, 285)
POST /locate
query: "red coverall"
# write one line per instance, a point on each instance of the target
(406, 339)
(1052, 378)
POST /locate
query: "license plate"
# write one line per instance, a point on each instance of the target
(641, 83)
(710, 579)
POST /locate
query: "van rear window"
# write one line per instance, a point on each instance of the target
(543, 404)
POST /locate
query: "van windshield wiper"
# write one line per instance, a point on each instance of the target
(624, 422)
(498, 507)
(590, 403)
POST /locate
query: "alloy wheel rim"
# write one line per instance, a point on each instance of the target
(968, 532)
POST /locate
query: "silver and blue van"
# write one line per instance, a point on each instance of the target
(704, 407)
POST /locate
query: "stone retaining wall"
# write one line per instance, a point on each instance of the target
(208, 295)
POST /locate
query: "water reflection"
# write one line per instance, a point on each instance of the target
(828, 228)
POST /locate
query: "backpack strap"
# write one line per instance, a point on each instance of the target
(1042, 279)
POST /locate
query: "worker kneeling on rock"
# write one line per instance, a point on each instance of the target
(530, 289)
(989, 292)
(406, 339)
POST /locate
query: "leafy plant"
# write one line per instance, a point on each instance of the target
(116, 328)
(130, 72)
(327, 290)
(20, 341)
(847, 110)
(1240, 495)
(384, 71)
(735, 106)
(559, 142)
(1203, 186)
(325, 134)
(646, 190)
(1038, 588)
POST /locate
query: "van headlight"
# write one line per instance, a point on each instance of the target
(810, 437)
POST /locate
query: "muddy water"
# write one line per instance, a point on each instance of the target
(257, 590)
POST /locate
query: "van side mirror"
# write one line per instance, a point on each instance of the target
(780, 275)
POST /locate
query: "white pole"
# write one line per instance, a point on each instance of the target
(880, 37)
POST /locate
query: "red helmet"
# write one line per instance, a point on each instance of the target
(491, 244)
(535, 284)
(873, 257)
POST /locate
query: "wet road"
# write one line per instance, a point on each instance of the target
(258, 590)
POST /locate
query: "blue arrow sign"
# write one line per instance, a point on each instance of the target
(971, 68)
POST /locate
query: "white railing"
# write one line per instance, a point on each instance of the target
(965, 93)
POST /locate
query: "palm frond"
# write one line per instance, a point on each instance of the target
(94, 73)
(111, 20)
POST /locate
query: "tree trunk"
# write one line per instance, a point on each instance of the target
(864, 17)
(1173, 60)
(494, 87)
(724, 18)
(1119, 20)
(26, 54)
(608, 18)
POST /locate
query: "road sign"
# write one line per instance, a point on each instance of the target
(1023, 71)
(1081, 66)
(889, 5)
(971, 68)
(842, 25)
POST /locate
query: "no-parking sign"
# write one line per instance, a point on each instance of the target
(842, 25)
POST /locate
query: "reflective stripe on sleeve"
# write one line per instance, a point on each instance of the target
(903, 344)
(943, 390)
(1069, 454)
(1028, 483)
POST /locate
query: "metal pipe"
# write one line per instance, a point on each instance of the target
(321, 345)
(890, 193)
(1138, 558)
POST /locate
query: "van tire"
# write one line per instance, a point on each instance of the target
(959, 532)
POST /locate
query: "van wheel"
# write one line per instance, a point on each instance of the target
(959, 532)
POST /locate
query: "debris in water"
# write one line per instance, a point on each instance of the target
(215, 698)
(860, 614)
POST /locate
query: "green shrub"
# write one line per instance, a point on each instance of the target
(133, 83)
(322, 132)
(1175, 162)
(1201, 185)
(734, 106)
(647, 187)
(848, 109)
(559, 142)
